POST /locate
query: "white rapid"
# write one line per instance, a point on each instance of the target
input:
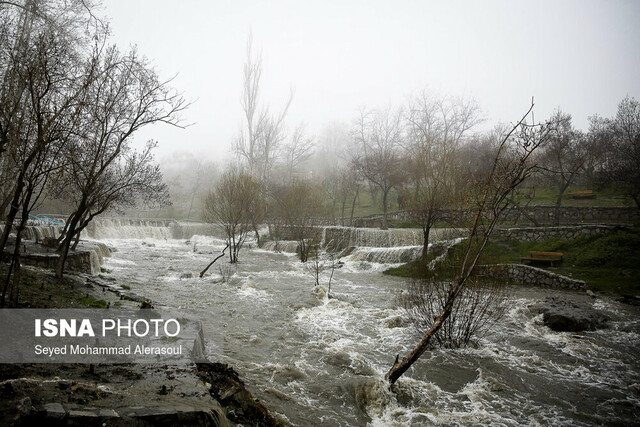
(400, 254)
(125, 228)
(344, 237)
(319, 361)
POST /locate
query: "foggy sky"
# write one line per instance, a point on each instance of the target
(581, 56)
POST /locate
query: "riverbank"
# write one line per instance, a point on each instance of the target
(606, 263)
(110, 394)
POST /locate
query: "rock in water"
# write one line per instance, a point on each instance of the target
(320, 291)
(393, 322)
(186, 276)
(562, 315)
(631, 299)
(228, 389)
(372, 395)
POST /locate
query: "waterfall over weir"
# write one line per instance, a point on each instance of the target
(395, 255)
(346, 237)
(36, 231)
(287, 246)
(39, 232)
(391, 246)
(125, 228)
(128, 228)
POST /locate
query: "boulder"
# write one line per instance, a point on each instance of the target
(393, 322)
(631, 299)
(561, 314)
(320, 291)
(229, 390)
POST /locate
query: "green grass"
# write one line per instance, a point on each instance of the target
(606, 263)
(544, 196)
(411, 269)
(606, 197)
(365, 205)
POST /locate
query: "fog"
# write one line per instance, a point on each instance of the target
(581, 56)
(328, 185)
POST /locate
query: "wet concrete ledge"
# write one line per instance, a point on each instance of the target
(88, 257)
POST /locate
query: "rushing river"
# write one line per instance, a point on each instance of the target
(319, 361)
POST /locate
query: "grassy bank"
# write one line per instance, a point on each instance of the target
(41, 289)
(606, 263)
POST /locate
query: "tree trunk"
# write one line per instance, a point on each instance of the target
(15, 260)
(425, 244)
(64, 247)
(556, 211)
(8, 279)
(7, 230)
(562, 188)
(400, 368)
(353, 205)
(193, 196)
(333, 211)
(303, 250)
(13, 212)
(213, 262)
(255, 230)
(64, 252)
(75, 244)
(385, 222)
(17, 193)
(3, 205)
(63, 232)
(233, 253)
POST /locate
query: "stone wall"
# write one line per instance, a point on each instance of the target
(541, 215)
(545, 215)
(537, 234)
(530, 276)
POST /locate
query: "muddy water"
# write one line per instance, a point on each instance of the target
(318, 361)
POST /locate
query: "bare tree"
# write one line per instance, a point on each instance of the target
(43, 86)
(297, 151)
(331, 185)
(622, 164)
(478, 307)
(436, 129)
(104, 172)
(348, 191)
(260, 140)
(563, 157)
(235, 205)
(510, 167)
(380, 135)
(47, 50)
(320, 263)
(297, 207)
